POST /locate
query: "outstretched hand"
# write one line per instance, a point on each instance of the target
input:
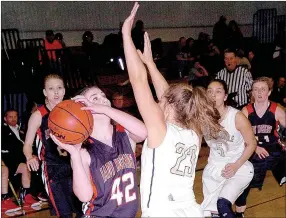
(128, 23)
(146, 57)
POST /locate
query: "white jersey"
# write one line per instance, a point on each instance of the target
(168, 173)
(227, 149)
(230, 146)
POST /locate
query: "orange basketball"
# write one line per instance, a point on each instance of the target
(69, 123)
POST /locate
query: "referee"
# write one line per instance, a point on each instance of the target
(238, 78)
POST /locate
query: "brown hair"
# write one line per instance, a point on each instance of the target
(265, 79)
(52, 76)
(85, 90)
(193, 109)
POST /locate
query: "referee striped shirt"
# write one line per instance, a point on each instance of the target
(239, 80)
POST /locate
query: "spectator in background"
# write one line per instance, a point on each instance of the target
(157, 48)
(279, 52)
(189, 49)
(13, 156)
(238, 78)
(212, 61)
(183, 60)
(198, 75)
(213, 49)
(180, 54)
(220, 33)
(241, 60)
(201, 45)
(256, 69)
(235, 40)
(278, 94)
(137, 34)
(92, 58)
(88, 46)
(60, 38)
(50, 43)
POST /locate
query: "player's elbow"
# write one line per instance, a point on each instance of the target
(84, 196)
(252, 144)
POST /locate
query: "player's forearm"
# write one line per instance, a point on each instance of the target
(81, 182)
(248, 151)
(136, 69)
(28, 151)
(159, 82)
(130, 123)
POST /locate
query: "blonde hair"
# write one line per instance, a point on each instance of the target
(52, 76)
(265, 79)
(193, 109)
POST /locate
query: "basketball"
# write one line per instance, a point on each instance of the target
(69, 123)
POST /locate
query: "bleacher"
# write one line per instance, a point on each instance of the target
(22, 73)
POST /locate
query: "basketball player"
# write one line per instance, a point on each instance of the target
(228, 171)
(175, 126)
(104, 169)
(56, 169)
(264, 116)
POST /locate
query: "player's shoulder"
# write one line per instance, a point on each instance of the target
(42, 110)
(278, 108)
(36, 115)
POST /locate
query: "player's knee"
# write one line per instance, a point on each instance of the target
(22, 168)
(4, 171)
(224, 208)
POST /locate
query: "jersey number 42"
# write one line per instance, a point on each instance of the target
(117, 194)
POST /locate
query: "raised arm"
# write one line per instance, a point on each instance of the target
(159, 82)
(151, 113)
(33, 125)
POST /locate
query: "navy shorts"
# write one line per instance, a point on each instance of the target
(58, 185)
(274, 162)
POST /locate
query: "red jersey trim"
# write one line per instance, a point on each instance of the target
(119, 128)
(249, 108)
(43, 110)
(273, 107)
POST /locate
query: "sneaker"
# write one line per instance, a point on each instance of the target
(238, 214)
(43, 197)
(29, 201)
(9, 206)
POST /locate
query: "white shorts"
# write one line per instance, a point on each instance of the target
(187, 210)
(215, 186)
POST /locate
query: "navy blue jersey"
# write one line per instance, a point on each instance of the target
(265, 127)
(113, 172)
(47, 149)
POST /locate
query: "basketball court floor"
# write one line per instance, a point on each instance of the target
(269, 202)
